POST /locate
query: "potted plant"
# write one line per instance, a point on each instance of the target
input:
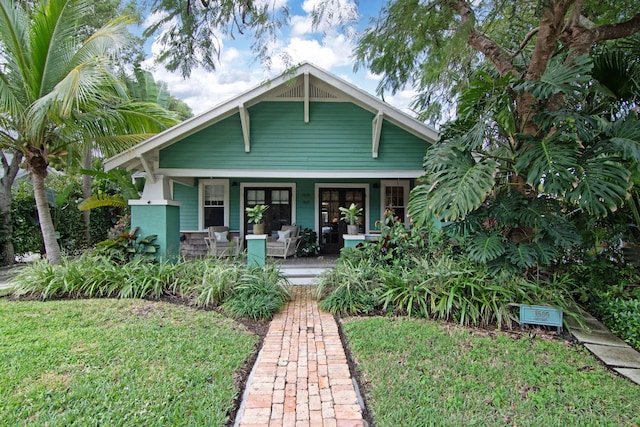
(255, 216)
(350, 215)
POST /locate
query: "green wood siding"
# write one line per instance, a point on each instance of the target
(338, 137)
(188, 196)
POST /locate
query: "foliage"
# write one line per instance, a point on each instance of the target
(521, 211)
(255, 214)
(256, 293)
(59, 93)
(423, 373)
(63, 195)
(114, 189)
(260, 293)
(441, 286)
(350, 214)
(622, 316)
(349, 288)
(127, 246)
(308, 243)
(118, 362)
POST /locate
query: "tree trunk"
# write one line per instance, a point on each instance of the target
(51, 246)
(6, 227)
(86, 193)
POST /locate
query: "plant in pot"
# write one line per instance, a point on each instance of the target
(350, 215)
(255, 215)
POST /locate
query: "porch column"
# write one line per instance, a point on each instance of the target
(256, 249)
(156, 213)
(353, 240)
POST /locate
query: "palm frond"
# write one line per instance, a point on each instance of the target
(14, 42)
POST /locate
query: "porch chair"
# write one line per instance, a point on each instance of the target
(286, 244)
(221, 243)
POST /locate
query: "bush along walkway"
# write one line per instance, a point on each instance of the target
(611, 350)
(301, 376)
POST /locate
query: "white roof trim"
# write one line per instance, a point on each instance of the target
(230, 107)
(257, 173)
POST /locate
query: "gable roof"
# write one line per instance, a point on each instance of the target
(305, 83)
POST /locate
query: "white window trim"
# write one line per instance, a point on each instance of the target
(201, 184)
(384, 183)
(367, 211)
(290, 185)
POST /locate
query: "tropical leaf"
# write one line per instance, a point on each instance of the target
(602, 187)
(563, 234)
(458, 184)
(523, 255)
(549, 164)
(624, 136)
(484, 248)
(102, 200)
(560, 78)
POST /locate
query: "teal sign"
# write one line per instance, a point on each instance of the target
(540, 315)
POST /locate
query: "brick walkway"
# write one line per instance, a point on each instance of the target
(301, 377)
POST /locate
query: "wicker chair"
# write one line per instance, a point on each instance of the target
(220, 243)
(286, 244)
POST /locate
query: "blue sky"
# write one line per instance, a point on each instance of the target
(238, 70)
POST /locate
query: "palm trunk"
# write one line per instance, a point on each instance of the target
(6, 182)
(86, 193)
(51, 246)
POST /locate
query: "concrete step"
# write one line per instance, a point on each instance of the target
(303, 271)
(303, 281)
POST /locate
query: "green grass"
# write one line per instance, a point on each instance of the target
(117, 363)
(421, 373)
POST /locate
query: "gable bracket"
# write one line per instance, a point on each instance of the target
(244, 121)
(147, 168)
(376, 129)
(306, 97)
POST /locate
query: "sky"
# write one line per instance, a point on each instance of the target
(238, 70)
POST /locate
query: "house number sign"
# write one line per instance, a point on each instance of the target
(540, 315)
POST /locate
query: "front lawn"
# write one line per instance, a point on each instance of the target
(420, 373)
(118, 363)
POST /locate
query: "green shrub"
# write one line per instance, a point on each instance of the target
(622, 316)
(255, 293)
(350, 288)
(260, 294)
(444, 287)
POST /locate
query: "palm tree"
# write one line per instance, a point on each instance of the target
(59, 92)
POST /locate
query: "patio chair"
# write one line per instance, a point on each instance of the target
(220, 243)
(286, 244)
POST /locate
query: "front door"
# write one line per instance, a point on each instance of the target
(332, 228)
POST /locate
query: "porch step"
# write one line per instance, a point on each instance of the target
(303, 276)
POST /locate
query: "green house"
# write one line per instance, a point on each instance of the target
(305, 143)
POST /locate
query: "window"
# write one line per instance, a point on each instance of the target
(214, 203)
(395, 196)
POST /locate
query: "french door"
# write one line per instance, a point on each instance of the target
(279, 201)
(331, 227)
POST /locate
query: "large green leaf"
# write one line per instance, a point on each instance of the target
(549, 164)
(523, 255)
(484, 248)
(560, 78)
(603, 186)
(458, 183)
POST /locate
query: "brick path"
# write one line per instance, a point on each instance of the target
(301, 377)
